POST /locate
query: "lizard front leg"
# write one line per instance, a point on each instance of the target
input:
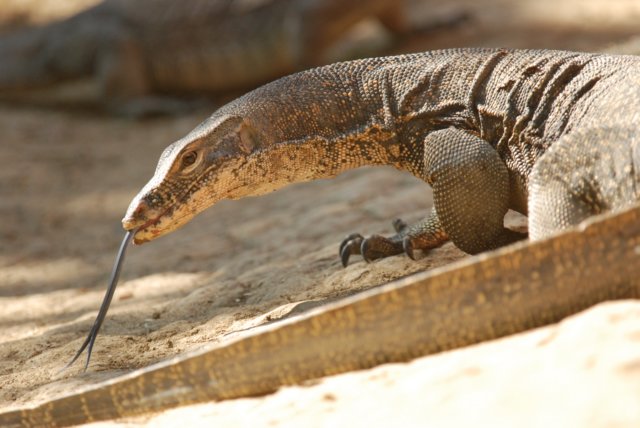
(471, 190)
(470, 194)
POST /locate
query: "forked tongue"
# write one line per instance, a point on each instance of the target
(102, 313)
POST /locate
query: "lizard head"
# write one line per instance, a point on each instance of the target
(192, 174)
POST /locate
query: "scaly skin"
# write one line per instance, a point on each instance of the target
(491, 295)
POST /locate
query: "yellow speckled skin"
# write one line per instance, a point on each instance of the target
(484, 297)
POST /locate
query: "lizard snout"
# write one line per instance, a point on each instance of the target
(137, 215)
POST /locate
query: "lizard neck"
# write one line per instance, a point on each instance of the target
(313, 157)
(320, 123)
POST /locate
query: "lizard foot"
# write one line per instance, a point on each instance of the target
(378, 247)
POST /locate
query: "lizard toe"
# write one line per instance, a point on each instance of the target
(346, 241)
(378, 247)
(350, 245)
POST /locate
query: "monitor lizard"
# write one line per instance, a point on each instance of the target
(548, 133)
(136, 56)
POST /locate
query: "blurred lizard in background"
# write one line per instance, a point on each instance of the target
(133, 54)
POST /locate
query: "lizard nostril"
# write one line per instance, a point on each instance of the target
(141, 209)
(136, 216)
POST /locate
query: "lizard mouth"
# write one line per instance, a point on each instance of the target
(173, 217)
(154, 228)
(161, 224)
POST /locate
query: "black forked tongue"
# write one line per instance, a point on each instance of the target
(102, 313)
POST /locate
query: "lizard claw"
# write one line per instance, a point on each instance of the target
(365, 246)
(423, 236)
(346, 241)
(377, 246)
(399, 225)
(350, 245)
(407, 247)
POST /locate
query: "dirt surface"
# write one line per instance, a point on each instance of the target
(67, 178)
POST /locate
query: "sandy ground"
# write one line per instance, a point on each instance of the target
(66, 178)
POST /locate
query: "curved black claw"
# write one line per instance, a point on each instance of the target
(365, 247)
(399, 225)
(349, 238)
(376, 246)
(350, 245)
(407, 247)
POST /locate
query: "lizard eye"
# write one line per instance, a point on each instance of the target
(189, 159)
